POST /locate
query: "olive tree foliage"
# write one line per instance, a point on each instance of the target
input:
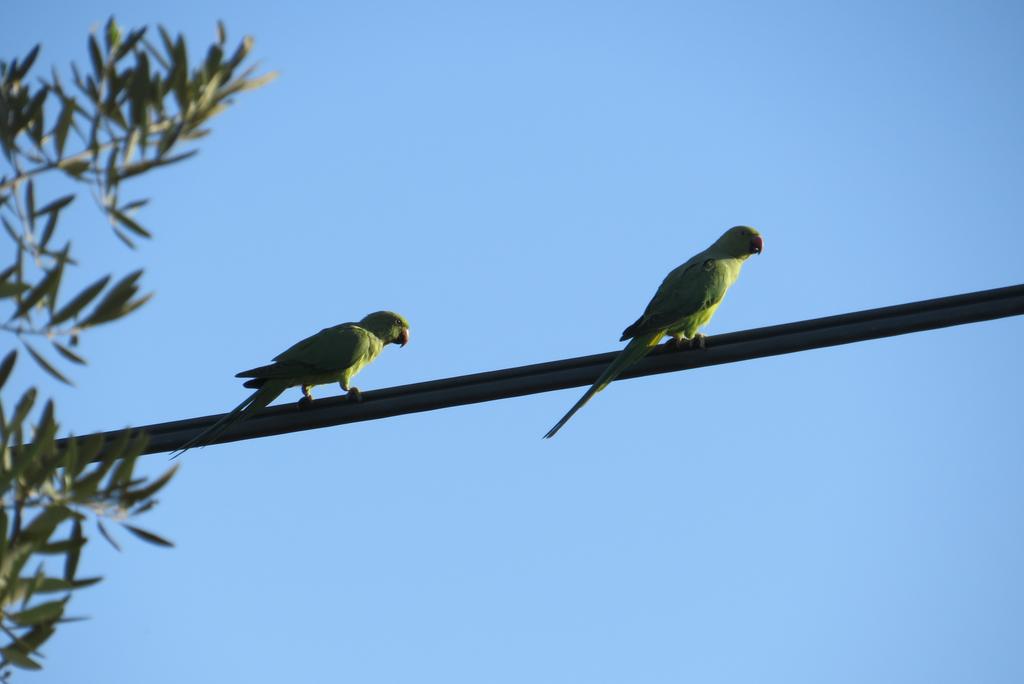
(140, 105)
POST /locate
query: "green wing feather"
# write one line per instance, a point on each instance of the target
(331, 349)
(686, 292)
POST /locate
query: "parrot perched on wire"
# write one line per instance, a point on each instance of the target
(686, 300)
(334, 354)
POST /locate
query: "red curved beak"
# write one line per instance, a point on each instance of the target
(403, 337)
(756, 245)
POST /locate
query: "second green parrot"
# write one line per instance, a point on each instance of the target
(686, 300)
(334, 354)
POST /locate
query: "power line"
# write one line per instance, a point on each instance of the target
(555, 375)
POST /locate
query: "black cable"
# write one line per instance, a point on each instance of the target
(554, 375)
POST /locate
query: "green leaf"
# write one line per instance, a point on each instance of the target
(181, 53)
(53, 210)
(41, 289)
(115, 301)
(46, 365)
(196, 133)
(74, 166)
(120, 235)
(24, 405)
(79, 301)
(44, 612)
(24, 587)
(93, 91)
(71, 560)
(244, 46)
(47, 286)
(214, 56)
(30, 202)
(139, 94)
(179, 79)
(135, 304)
(89, 448)
(15, 236)
(77, 77)
(122, 474)
(43, 525)
(29, 465)
(49, 585)
(55, 81)
(151, 488)
(61, 547)
(86, 582)
(51, 225)
(12, 289)
(112, 33)
(96, 57)
(113, 449)
(142, 166)
(11, 564)
(62, 258)
(131, 206)
(168, 43)
(111, 177)
(18, 71)
(106, 535)
(36, 115)
(60, 130)
(70, 464)
(129, 223)
(147, 536)
(169, 137)
(67, 353)
(15, 657)
(56, 205)
(6, 365)
(129, 43)
(35, 637)
(3, 535)
(136, 444)
(143, 507)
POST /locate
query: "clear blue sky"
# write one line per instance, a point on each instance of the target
(516, 178)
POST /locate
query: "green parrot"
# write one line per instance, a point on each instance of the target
(686, 300)
(334, 354)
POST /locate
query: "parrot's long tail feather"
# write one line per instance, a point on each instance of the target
(256, 401)
(633, 352)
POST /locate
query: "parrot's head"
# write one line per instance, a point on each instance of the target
(740, 242)
(388, 326)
